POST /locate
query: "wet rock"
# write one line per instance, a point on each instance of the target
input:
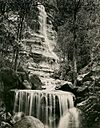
(28, 122)
(82, 90)
(17, 117)
(85, 77)
(82, 93)
(68, 86)
(26, 84)
(5, 125)
(35, 82)
(5, 119)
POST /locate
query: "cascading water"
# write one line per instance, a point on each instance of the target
(48, 106)
(42, 20)
(70, 119)
(43, 29)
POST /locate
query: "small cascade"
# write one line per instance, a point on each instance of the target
(48, 106)
(42, 20)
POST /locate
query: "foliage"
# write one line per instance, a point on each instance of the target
(85, 30)
(15, 17)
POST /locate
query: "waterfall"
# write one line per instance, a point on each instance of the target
(43, 30)
(54, 108)
(48, 106)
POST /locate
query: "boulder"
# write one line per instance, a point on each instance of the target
(35, 82)
(26, 84)
(82, 90)
(85, 77)
(68, 86)
(28, 122)
(82, 93)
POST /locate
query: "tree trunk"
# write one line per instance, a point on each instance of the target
(19, 37)
(16, 59)
(75, 44)
(74, 66)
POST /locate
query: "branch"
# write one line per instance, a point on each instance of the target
(96, 47)
(88, 66)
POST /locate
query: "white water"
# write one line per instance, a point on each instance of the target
(43, 31)
(70, 119)
(48, 106)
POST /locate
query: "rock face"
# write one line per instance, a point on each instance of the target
(37, 53)
(90, 108)
(28, 122)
